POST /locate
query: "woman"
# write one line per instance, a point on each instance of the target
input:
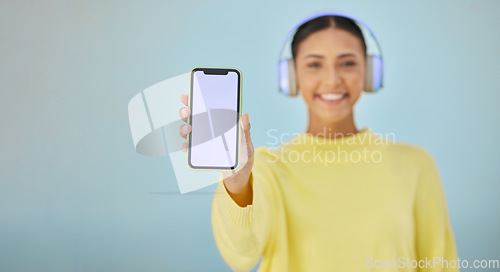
(339, 210)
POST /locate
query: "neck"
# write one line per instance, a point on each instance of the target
(331, 129)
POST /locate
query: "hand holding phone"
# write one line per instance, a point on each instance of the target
(235, 181)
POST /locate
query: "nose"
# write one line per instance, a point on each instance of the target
(332, 76)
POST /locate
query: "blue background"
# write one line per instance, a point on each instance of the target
(75, 196)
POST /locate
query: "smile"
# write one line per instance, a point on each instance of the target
(332, 98)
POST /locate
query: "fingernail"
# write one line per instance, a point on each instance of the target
(184, 111)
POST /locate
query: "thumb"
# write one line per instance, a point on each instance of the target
(245, 126)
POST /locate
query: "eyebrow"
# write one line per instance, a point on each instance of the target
(339, 57)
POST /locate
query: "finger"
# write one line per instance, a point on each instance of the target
(184, 113)
(184, 147)
(184, 99)
(184, 130)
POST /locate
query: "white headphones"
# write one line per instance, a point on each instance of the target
(374, 61)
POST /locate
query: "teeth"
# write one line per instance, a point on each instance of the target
(331, 96)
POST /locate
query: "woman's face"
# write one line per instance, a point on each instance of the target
(330, 68)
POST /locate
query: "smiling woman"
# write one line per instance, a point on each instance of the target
(322, 201)
(330, 67)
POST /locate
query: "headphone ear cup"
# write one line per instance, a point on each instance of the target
(378, 73)
(369, 74)
(283, 77)
(292, 79)
(373, 80)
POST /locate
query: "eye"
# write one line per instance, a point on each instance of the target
(348, 64)
(314, 65)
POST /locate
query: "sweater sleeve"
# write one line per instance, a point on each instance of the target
(434, 235)
(243, 233)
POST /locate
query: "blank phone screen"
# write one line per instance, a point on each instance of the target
(214, 118)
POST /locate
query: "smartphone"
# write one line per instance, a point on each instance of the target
(215, 104)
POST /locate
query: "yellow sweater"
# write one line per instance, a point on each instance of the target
(358, 203)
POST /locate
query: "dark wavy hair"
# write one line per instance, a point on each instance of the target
(324, 22)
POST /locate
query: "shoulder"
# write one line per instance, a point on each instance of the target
(266, 155)
(412, 153)
(265, 151)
